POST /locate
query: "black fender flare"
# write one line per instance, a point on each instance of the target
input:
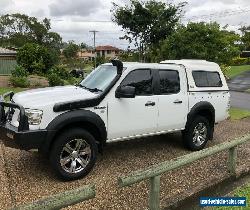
(71, 117)
(199, 107)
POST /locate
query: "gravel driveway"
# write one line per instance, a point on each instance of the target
(26, 176)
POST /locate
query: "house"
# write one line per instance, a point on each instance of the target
(107, 51)
(87, 55)
(245, 54)
(7, 60)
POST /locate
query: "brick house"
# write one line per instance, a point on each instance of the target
(87, 55)
(107, 51)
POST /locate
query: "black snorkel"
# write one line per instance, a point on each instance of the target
(118, 64)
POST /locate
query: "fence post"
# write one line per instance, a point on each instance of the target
(232, 156)
(154, 193)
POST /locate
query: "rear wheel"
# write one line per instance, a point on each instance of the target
(197, 133)
(73, 154)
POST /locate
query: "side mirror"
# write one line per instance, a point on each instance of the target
(125, 92)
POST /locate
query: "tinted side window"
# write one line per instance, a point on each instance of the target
(141, 80)
(207, 79)
(169, 81)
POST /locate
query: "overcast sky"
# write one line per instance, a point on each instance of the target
(73, 19)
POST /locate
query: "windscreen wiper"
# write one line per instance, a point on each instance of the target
(90, 89)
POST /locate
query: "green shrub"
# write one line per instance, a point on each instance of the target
(72, 81)
(19, 77)
(239, 61)
(19, 71)
(19, 81)
(34, 57)
(37, 84)
(54, 80)
(38, 67)
(225, 69)
(60, 71)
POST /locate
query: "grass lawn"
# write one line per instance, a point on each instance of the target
(237, 114)
(239, 192)
(88, 68)
(7, 89)
(236, 70)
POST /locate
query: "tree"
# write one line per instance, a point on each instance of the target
(35, 58)
(147, 22)
(201, 41)
(17, 29)
(100, 60)
(70, 51)
(83, 46)
(245, 38)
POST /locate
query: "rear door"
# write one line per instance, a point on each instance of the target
(172, 99)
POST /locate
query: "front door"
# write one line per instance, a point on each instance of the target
(128, 117)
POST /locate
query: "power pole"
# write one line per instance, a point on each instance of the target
(94, 32)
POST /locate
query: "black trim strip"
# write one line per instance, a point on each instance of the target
(208, 91)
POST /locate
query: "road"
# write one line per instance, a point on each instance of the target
(240, 100)
(240, 82)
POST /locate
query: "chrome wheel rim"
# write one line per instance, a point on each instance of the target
(75, 156)
(199, 134)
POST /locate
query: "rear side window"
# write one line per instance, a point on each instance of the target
(169, 81)
(207, 79)
(140, 79)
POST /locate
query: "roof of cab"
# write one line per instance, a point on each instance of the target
(193, 64)
(138, 65)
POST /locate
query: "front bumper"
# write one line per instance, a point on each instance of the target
(25, 140)
(20, 137)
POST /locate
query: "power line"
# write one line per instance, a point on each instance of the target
(225, 13)
(87, 21)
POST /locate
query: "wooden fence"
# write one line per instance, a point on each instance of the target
(61, 200)
(153, 173)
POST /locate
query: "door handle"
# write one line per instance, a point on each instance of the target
(177, 102)
(150, 103)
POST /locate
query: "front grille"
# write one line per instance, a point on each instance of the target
(9, 114)
(13, 116)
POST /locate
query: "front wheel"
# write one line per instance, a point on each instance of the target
(197, 133)
(73, 154)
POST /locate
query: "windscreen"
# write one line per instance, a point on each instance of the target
(100, 78)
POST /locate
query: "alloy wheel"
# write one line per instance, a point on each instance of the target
(199, 134)
(75, 156)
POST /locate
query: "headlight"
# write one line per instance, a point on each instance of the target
(34, 116)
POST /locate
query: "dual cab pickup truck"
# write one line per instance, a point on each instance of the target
(117, 101)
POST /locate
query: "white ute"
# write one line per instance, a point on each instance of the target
(116, 101)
